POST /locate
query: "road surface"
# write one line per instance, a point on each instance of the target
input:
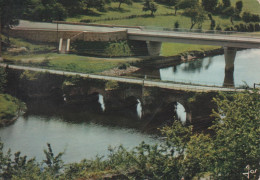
(229, 40)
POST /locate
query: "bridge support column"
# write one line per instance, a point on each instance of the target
(154, 48)
(60, 45)
(64, 46)
(230, 55)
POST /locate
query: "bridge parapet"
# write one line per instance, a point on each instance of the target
(50, 35)
(203, 31)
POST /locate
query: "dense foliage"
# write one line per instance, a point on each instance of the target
(10, 11)
(224, 154)
(10, 108)
(2, 79)
(50, 10)
(111, 49)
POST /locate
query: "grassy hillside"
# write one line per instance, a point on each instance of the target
(249, 5)
(163, 17)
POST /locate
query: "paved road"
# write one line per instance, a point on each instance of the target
(201, 38)
(146, 83)
(64, 27)
(233, 40)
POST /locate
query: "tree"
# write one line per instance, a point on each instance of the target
(209, 5)
(226, 3)
(176, 25)
(128, 2)
(73, 7)
(173, 3)
(54, 163)
(233, 145)
(183, 4)
(149, 5)
(246, 17)
(212, 24)
(48, 10)
(230, 11)
(11, 11)
(237, 134)
(239, 6)
(2, 79)
(197, 15)
(176, 6)
(218, 28)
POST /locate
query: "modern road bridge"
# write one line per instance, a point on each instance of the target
(154, 38)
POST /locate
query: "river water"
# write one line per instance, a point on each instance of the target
(81, 134)
(211, 70)
(84, 133)
(79, 140)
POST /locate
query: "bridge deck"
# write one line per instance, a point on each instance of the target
(228, 40)
(217, 39)
(146, 83)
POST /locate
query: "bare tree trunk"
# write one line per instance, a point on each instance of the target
(192, 24)
(119, 5)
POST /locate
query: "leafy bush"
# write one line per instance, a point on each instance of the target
(110, 85)
(9, 107)
(224, 154)
(249, 17)
(111, 49)
(2, 79)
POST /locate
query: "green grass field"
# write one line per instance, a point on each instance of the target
(68, 62)
(163, 17)
(168, 49)
(85, 64)
(249, 5)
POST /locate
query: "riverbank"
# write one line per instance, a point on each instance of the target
(10, 109)
(105, 66)
(22, 52)
(164, 61)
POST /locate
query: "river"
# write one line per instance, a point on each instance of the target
(211, 70)
(86, 130)
(81, 140)
(80, 134)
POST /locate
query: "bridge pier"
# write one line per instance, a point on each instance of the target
(230, 55)
(154, 48)
(64, 46)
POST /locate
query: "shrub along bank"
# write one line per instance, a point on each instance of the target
(224, 154)
(10, 108)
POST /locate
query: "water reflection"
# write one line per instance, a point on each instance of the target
(101, 102)
(211, 70)
(79, 140)
(139, 108)
(181, 113)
